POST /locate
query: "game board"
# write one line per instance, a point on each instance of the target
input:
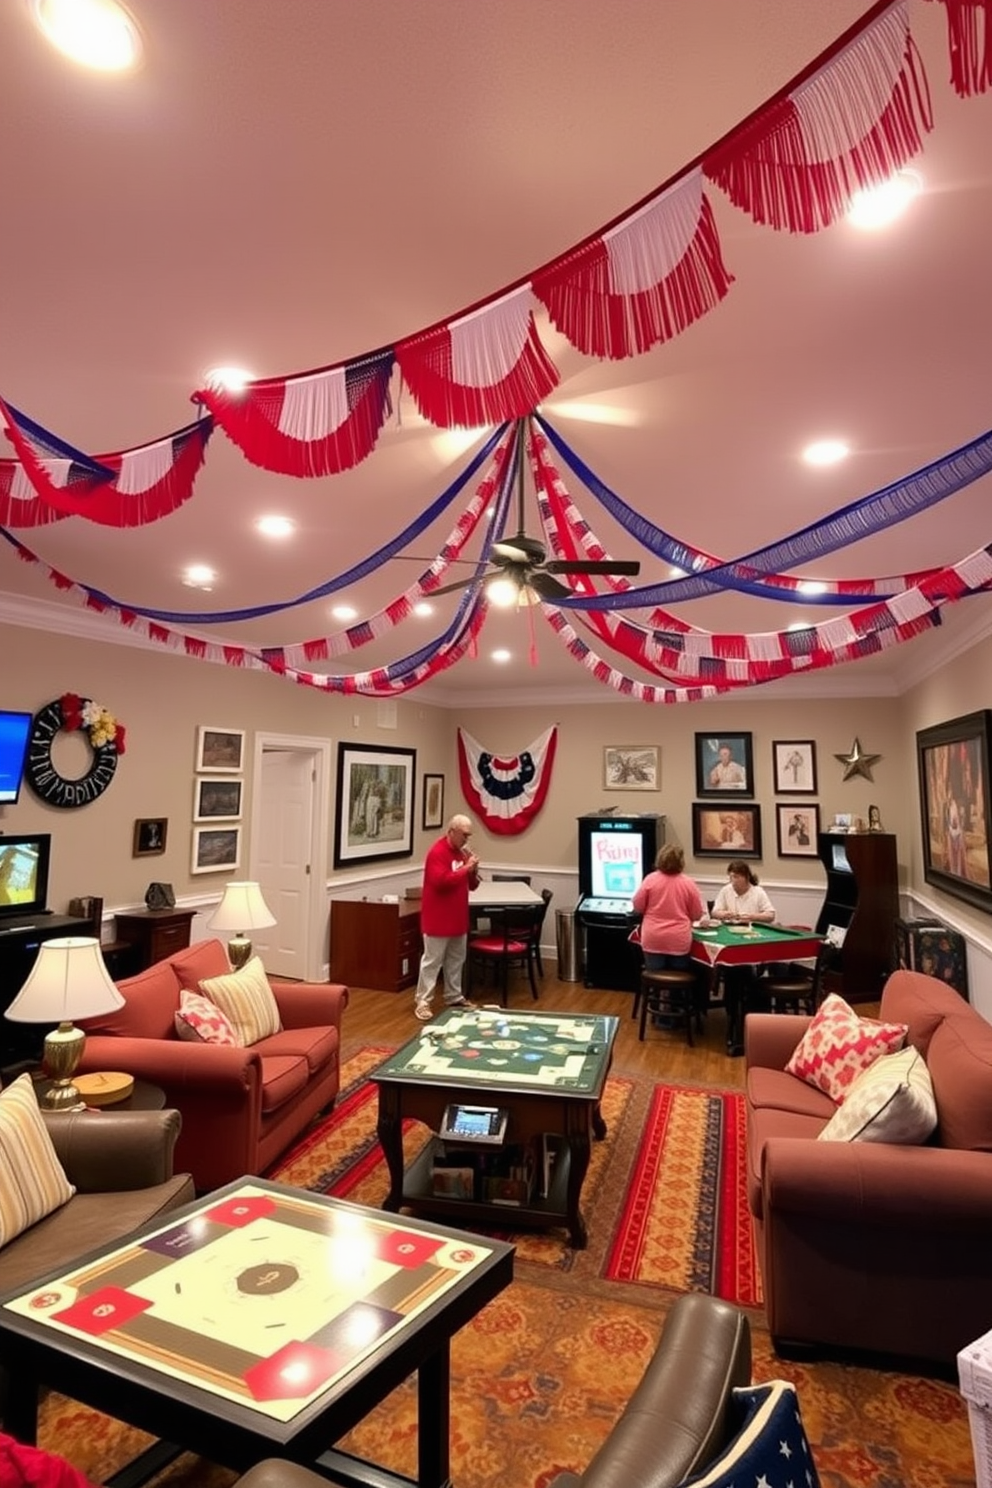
(264, 1295)
(541, 1051)
(742, 945)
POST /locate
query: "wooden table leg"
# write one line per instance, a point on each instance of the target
(577, 1121)
(434, 1419)
(389, 1129)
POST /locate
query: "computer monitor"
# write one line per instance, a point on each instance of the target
(15, 731)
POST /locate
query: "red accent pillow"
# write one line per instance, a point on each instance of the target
(838, 1045)
(200, 1021)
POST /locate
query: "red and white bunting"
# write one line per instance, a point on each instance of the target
(969, 40)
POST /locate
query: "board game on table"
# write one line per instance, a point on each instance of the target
(546, 1070)
(259, 1318)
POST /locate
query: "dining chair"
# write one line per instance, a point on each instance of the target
(510, 877)
(508, 945)
(799, 988)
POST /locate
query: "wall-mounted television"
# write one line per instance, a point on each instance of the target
(24, 862)
(15, 730)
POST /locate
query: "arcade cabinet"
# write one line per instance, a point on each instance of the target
(615, 853)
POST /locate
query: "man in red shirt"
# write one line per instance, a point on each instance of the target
(451, 869)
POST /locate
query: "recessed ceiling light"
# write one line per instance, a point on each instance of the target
(344, 612)
(231, 379)
(880, 205)
(96, 33)
(423, 609)
(502, 656)
(199, 576)
(812, 586)
(275, 526)
(826, 452)
(800, 625)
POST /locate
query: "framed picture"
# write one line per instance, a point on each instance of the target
(217, 799)
(433, 801)
(797, 828)
(374, 803)
(953, 763)
(631, 767)
(149, 836)
(724, 765)
(794, 766)
(219, 749)
(215, 849)
(722, 832)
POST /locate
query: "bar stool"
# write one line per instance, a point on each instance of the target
(671, 994)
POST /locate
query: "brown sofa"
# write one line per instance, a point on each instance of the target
(241, 1107)
(865, 1245)
(674, 1425)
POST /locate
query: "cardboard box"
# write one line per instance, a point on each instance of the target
(975, 1381)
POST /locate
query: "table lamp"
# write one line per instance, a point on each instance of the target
(241, 908)
(69, 979)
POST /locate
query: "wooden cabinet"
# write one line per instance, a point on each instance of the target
(374, 944)
(154, 934)
(863, 899)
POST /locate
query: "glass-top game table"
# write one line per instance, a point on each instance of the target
(546, 1071)
(260, 1320)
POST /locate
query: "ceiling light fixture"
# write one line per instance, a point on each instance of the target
(881, 205)
(199, 576)
(423, 609)
(811, 586)
(95, 33)
(826, 452)
(275, 526)
(231, 379)
(502, 656)
(502, 592)
(344, 612)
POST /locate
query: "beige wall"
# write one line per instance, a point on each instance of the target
(163, 698)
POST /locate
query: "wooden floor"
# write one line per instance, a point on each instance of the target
(388, 1018)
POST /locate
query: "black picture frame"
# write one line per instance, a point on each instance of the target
(730, 754)
(150, 833)
(726, 831)
(365, 832)
(797, 827)
(433, 804)
(794, 767)
(955, 807)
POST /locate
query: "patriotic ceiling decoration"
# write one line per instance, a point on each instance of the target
(856, 114)
(506, 792)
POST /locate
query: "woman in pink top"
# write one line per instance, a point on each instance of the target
(668, 902)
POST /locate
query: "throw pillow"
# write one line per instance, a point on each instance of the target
(32, 1180)
(838, 1045)
(891, 1101)
(246, 998)
(769, 1444)
(200, 1021)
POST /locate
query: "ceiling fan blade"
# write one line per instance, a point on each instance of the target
(548, 588)
(459, 584)
(619, 568)
(519, 549)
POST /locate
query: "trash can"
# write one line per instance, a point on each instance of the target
(569, 951)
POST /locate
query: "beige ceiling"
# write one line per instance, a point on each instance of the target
(285, 185)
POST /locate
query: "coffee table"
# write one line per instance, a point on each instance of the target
(259, 1320)
(546, 1070)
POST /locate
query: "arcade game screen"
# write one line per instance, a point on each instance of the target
(616, 864)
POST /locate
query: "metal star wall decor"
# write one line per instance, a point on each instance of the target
(857, 762)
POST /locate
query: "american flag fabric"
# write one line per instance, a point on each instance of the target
(506, 791)
(769, 1449)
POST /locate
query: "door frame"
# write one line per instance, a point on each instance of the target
(315, 959)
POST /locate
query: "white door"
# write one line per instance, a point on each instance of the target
(282, 853)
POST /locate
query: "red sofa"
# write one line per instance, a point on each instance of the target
(868, 1245)
(241, 1108)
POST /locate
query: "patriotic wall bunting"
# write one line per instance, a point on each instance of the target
(506, 791)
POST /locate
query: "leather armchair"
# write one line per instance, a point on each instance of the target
(674, 1424)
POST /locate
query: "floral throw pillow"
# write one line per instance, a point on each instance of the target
(838, 1045)
(200, 1021)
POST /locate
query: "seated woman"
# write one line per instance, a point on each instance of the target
(668, 902)
(741, 901)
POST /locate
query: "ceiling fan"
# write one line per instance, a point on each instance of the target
(523, 563)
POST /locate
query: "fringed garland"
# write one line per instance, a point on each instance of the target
(128, 488)
(506, 792)
(969, 41)
(644, 281)
(480, 368)
(315, 423)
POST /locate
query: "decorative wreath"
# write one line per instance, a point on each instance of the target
(106, 737)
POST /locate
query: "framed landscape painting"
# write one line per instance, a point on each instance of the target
(724, 765)
(953, 763)
(631, 767)
(719, 832)
(219, 748)
(217, 799)
(215, 849)
(375, 795)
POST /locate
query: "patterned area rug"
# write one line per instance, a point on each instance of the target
(539, 1377)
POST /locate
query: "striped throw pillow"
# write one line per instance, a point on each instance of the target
(245, 998)
(32, 1180)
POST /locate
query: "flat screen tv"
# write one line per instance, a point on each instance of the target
(15, 730)
(24, 861)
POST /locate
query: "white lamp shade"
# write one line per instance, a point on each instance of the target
(68, 980)
(241, 908)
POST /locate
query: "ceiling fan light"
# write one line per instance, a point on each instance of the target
(502, 592)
